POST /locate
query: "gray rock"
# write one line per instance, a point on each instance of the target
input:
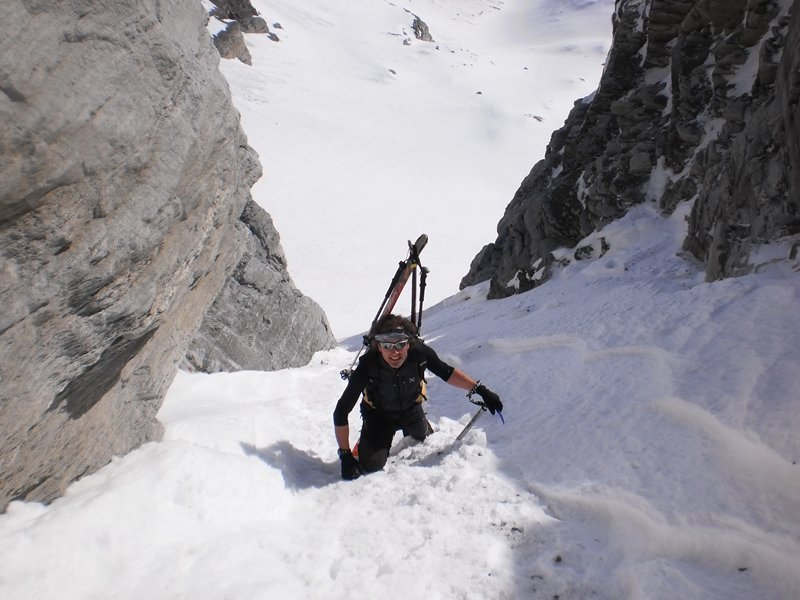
(242, 18)
(230, 43)
(744, 181)
(260, 321)
(640, 162)
(236, 10)
(421, 31)
(788, 99)
(123, 178)
(254, 25)
(672, 95)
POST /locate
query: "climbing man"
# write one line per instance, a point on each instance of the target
(390, 376)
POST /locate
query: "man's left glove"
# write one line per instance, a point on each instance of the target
(490, 399)
(350, 468)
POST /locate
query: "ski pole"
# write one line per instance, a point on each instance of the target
(413, 315)
(423, 279)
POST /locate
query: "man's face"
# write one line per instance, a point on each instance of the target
(394, 353)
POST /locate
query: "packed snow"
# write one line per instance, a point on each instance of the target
(650, 441)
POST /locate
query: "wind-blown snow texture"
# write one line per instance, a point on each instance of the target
(649, 451)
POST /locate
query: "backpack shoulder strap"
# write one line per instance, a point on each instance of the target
(421, 357)
(422, 363)
(371, 358)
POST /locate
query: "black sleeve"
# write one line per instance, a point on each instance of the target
(347, 401)
(435, 364)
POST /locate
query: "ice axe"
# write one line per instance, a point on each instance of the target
(475, 418)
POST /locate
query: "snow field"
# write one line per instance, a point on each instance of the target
(648, 452)
(650, 448)
(382, 141)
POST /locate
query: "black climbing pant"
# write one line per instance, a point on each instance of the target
(378, 429)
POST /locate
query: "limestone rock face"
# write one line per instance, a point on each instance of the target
(260, 321)
(123, 176)
(697, 102)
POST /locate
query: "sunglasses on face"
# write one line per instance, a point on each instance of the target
(394, 345)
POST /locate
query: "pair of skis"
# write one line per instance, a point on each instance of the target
(407, 269)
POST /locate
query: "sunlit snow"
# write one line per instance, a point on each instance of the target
(650, 442)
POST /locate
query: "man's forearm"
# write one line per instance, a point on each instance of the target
(342, 436)
(461, 380)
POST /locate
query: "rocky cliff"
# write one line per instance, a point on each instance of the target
(260, 320)
(124, 195)
(698, 101)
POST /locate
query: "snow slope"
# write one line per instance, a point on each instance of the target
(649, 451)
(381, 141)
(650, 447)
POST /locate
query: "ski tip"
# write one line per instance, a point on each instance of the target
(417, 246)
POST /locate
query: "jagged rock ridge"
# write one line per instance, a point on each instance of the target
(697, 102)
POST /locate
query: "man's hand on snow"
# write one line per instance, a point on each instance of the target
(350, 468)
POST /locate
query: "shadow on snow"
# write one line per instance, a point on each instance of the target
(300, 470)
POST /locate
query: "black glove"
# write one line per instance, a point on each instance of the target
(490, 399)
(350, 468)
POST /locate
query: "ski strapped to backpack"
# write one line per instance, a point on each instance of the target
(406, 269)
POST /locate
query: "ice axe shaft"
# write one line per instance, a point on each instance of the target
(472, 422)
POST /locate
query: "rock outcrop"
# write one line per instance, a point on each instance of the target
(697, 102)
(259, 321)
(230, 43)
(421, 31)
(123, 177)
(241, 17)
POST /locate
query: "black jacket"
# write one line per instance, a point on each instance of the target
(388, 389)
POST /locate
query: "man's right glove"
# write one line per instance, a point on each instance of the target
(350, 468)
(490, 399)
